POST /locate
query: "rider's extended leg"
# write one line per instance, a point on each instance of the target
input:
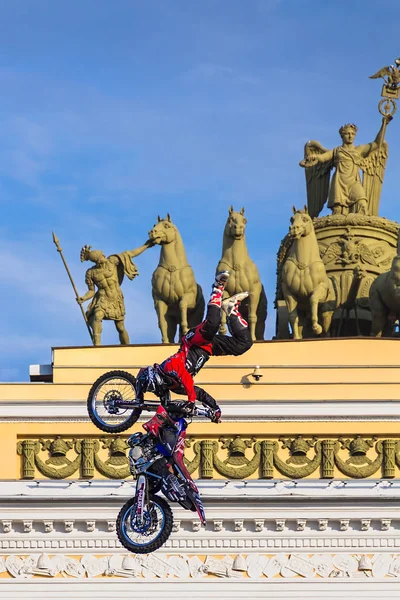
(211, 324)
(240, 339)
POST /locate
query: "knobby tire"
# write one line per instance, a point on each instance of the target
(92, 413)
(160, 540)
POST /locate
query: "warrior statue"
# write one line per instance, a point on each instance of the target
(347, 193)
(108, 300)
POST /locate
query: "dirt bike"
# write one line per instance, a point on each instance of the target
(145, 521)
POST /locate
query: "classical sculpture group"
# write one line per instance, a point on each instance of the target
(340, 274)
(178, 298)
(337, 274)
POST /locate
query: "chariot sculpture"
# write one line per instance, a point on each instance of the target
(349, 264)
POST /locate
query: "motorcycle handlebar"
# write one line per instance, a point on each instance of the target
(199, 411)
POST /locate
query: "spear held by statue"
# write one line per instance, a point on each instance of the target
(59, 249)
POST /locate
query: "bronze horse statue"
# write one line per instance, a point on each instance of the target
(384, 300)
(244, 275)
(178, 299)
(306, 288)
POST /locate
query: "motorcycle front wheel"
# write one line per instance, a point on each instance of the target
(102, 402)
(152, 533)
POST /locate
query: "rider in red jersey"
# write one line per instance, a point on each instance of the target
(176, 372)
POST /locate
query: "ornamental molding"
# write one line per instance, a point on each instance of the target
(240, 567)
(20, 529)
(64, 516)
(233, 457)
(264, 410)
(191, 544)
(215, 490)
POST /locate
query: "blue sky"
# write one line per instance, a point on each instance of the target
(114, 112)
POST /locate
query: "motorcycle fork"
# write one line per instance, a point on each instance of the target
(142, 497)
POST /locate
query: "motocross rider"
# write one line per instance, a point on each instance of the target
(176, 372)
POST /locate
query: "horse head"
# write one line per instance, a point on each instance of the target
(163, 232)
(236, 224)
(301, 223)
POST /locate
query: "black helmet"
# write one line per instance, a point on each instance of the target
(149, 380)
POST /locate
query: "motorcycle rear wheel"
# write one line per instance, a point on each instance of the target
(160, 518)
(107, 389)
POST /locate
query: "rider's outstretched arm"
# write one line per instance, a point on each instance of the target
(186, 380)
(205, 398)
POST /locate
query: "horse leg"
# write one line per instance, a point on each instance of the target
(328, 308)
(222, 327)
(378, 323)
(161, 310)
(327, 321)
(172, 326)
(254, 299)
(183, 310)
(379, 312)
(318, 295)
(291, 303)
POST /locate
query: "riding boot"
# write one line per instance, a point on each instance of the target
(231, 307)
(218, 288)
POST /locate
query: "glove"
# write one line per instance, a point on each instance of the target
(183, 408)
(188, 409)
(216, 416)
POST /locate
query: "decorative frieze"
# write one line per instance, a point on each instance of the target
(233, 566)
(207, 544)
(259, 525)
(385, 524)
(252, 533)
(7, 526)
(322, 524)
(232, 458)
(68, 526)
(48, 526)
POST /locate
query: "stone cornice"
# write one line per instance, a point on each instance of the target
(255, 528)
(263, 411)
(222, 489)
(264, 513)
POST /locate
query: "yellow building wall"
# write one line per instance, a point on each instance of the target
(357, 370)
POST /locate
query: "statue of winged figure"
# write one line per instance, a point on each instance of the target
(346, 192)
